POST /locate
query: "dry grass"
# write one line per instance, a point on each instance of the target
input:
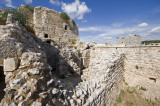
(130, 97)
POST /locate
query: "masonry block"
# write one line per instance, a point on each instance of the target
(10, 64)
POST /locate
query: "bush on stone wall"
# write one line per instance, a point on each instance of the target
(74, 23)
(29, 8)
(64, 16)
(79, 53)
(19, 15)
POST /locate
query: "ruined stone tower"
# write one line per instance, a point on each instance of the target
(49, 26)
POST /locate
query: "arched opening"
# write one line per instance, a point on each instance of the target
(2, 83)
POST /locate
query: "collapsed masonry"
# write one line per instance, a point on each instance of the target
(30, 77)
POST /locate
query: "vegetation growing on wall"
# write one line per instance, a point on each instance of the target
(79, 53)
(18, 15)
(150, 41)
(64, 16)
(143, 89)
(72, 41)
(74, 23)
(21, 15)
(137, 67)
(29, 8)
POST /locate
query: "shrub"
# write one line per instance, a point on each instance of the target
(129, 103)
(106, 44)
(148, 101)
(79, 54)
(119, 100)
(73, 22)
(143, 88)
(72, 41)
(122, 92)
(130, 90)
(137, 67)
(20, 15)
(75, 47)
(29, 8)
(64, 16)
(22, 18)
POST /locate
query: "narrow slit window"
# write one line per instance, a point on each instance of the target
(65, 27)
(46, 35)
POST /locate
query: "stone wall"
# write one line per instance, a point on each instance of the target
(129, 40)
(49, 26)
(28, 76)
(142, 68)
(102, 80)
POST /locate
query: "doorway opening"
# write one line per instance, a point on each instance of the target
(2, 83)
(48, 41)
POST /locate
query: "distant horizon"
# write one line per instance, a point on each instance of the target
(103, 21)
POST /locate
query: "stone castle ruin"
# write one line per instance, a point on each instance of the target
(35, 73)
(50, 27)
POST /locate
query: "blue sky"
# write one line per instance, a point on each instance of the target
(102, 21)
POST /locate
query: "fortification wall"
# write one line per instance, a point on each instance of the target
(142, 68)
(102, 80)
(48, 25)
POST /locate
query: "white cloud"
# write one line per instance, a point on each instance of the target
(9, 3)
(91, 29)
(112, 30)
(84, 21)
(97, 39)
(155, 30)
(102, 34)
(28, 1)
(143, 25)
(152, 34)
(55, 2)
(76, 9)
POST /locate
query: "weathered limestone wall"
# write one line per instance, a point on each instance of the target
(129, 40)
(142, 68)
(102, 80)
(28, 77)
(48, 22)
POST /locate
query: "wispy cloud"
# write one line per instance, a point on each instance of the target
(28, 1)
(9, 3)
(101, 34)
(55, 2)
(143, 24)
(76, 9)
